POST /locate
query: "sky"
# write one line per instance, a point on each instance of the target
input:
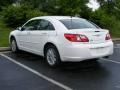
(93, 4)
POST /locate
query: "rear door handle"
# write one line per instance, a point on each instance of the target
(44, 33)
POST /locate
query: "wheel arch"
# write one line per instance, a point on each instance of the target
(50, 43)
(11, 37)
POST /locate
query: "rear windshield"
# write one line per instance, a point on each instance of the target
(78, 24)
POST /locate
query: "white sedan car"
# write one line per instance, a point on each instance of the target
(62, 38)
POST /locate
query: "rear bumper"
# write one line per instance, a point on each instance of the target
(82, 52)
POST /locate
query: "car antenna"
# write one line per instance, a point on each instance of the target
(71, 14)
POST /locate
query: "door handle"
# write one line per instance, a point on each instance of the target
(44, 33)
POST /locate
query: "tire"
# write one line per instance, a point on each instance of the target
(52, 56)
(14, 47)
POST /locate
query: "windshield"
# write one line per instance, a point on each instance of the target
(77, 24)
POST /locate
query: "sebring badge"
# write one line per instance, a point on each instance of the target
(97, 35)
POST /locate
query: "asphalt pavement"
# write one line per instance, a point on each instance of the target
(25, 71)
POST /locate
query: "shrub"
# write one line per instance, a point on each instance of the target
(107, 21)
(34, 13)
(17, 15)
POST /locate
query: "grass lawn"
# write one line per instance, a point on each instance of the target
(4, 34)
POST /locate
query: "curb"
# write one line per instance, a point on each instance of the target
(2, 49)
(116, 40)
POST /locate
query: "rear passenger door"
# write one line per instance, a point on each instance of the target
(45, 30)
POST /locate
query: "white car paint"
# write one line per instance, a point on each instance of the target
(35, 40)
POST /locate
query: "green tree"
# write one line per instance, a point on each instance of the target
(58, 7)
(5, 3)
(17, 15)
(70, 7)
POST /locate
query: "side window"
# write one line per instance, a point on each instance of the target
(51, 27)
(45, 25)
(31, 25)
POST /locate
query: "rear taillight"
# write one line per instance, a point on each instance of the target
(76, 37)
(108, 37)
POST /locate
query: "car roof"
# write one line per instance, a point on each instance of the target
(55, 17)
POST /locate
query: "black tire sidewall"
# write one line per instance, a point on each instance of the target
(15, 44)
(58, 60)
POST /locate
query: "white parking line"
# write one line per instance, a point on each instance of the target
(37, 73)
(110, 60)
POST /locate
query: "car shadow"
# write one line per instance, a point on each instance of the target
(86, 65)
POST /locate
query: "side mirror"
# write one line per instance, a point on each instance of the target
(20, 28)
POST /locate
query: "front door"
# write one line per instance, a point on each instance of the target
(24, 39)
